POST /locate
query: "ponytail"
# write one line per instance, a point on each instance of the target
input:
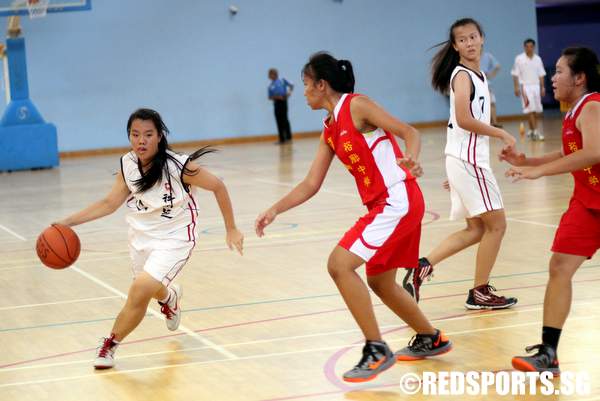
(447, 58)
(338, 73)
(442, 65)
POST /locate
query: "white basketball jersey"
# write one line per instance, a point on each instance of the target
(463, 144)
(167, 211)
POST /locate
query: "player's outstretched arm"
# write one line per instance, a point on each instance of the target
(301, 192)
(115, 198)
(202, 178)
(588, 123)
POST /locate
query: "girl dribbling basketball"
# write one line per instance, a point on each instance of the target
(158, 185)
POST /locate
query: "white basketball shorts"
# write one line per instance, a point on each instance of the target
(531, 99)
(473, 190)
(161, 259)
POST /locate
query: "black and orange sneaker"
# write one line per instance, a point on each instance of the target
(376, 358)
(482, 297)
(422, 346)
(414, 278)
(544, 360)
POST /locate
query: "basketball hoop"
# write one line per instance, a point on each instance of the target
(37, 8)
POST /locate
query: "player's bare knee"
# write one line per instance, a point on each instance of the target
(474, 234)
(496, 228)
(333, 267)
(379, 287)
(559, 271)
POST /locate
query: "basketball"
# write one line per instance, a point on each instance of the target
(58, 246)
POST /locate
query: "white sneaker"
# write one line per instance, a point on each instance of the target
(171, 309)
(538, 135)
(105, 353)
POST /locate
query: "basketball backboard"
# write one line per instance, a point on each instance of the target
(19, 7)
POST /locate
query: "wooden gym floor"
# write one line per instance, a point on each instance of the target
(269, 325)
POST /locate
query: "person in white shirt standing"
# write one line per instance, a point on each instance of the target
(528, 77)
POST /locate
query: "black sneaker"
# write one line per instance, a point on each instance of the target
(482, 297)
(423, 345)
(544, 361)
(377, 357)
(414, 277)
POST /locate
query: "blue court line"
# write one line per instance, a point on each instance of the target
(271, 301)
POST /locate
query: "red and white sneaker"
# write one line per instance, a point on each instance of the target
(482, 297)
(105, 353)
(415, 276)
(171, 309)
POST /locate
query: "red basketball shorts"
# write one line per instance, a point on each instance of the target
(388, 236)
(579, 231)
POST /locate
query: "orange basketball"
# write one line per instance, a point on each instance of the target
(58, 246)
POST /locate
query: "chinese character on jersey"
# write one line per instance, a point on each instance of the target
(367, 181)
(168, 198)
(348, 146)
(354, 158)
(166, 212)
(593, 180)
(139, 205)
(573, 146)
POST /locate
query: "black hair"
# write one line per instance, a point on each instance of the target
(583, 60)
(447, 58)
(338, 73)
(159, 164)
(528, 40)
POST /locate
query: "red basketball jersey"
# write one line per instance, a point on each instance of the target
(587, 181)
(369, 157)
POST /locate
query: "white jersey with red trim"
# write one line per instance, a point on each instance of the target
(167, 211)
(460, 143)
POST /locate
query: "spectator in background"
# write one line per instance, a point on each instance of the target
(490, 67)
(279, 90)
(528, 77)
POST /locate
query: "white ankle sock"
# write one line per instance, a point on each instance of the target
(170, 293)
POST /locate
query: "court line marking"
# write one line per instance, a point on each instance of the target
(535, 223)
(323, 190)
(58, 302)
(8, 230)
(182, 328)
(63, 324)
(289, 338)
(256, 356)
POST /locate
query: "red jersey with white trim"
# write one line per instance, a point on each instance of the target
(587, 181)
(370, 157)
